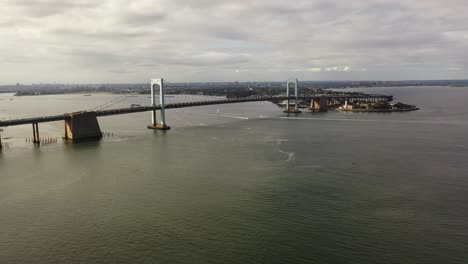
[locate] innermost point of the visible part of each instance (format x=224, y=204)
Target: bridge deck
x=51, y=118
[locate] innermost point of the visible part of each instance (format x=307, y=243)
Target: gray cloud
x=43, y=8
x=183, y=40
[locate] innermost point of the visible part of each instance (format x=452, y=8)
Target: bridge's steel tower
x=154, y=124
x=296, y=95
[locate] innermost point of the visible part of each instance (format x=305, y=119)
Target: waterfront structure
x=80, y=126
x=84, y=124
x=155, y=83
x=319, y=104
x=376, y=107
x=288, y=109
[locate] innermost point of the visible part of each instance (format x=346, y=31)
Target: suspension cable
x=107, y=104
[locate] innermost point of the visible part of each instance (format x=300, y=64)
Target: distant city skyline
x=116, y=41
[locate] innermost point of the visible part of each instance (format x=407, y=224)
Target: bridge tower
x=296, y=95
x=155, y=83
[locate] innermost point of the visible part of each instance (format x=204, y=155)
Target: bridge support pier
x=154, y=124
x=320, y=104
x=82, y=126
x=36, y=138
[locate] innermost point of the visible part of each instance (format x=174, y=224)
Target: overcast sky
x=91, y=41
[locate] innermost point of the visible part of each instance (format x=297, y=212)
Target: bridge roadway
x=120, y=111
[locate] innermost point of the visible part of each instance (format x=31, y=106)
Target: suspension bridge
x=84, y=124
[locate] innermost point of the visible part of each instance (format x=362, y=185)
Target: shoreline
x=379, y=110
x=77, y=93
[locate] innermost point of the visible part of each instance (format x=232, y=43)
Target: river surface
x=240, y=183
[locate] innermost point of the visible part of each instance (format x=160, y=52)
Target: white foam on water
x=230, y=116
x=238, y=117
x=290, y=155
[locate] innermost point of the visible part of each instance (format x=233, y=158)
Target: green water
x=319, y=188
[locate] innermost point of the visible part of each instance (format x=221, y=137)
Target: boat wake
x=230, y=116
x=277, y=141
x=289, y=154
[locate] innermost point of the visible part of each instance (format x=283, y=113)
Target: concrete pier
x=320, y=105
x=36, y=133
x=82, y=126
x=159, y=127
x=291, y=110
